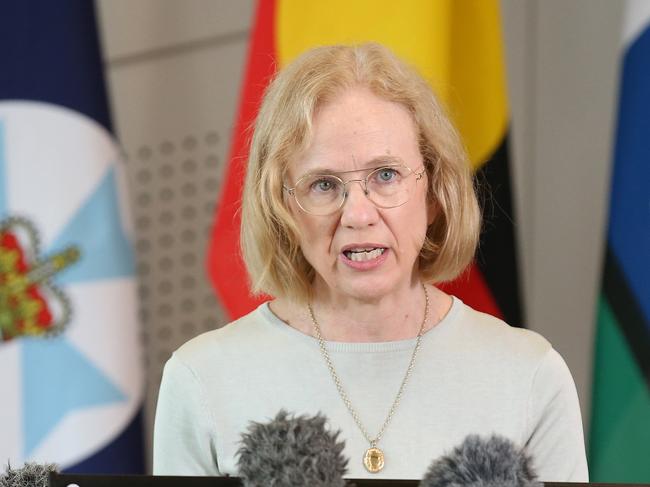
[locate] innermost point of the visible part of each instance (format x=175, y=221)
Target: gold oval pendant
x=373, y=460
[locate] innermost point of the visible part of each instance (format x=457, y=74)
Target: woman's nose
x=358, y=210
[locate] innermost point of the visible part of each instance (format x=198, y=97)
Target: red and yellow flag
x=457, y=47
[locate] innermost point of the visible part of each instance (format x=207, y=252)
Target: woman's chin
x=342, y=285
x=366, y=290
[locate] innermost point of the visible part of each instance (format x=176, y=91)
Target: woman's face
x=362, y=251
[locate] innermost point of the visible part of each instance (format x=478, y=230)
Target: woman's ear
x=431, y=201
x=432, y=209
x=431, y=215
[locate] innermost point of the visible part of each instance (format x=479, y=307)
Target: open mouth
x=362, y=255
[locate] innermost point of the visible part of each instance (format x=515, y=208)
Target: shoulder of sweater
x=238, y=334
x=493, y=335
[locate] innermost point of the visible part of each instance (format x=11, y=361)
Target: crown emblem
x=30, y=304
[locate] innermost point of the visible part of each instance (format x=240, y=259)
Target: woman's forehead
x=358, y=113
x=355, y=151
x=361, y=154
x=357, y=130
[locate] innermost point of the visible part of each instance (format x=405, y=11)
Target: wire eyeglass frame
x=362, y=181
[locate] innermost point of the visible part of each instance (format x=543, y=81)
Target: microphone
x=479, y=462
x=30, y=475
x=291, y=451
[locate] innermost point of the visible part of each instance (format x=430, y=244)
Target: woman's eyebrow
x=319, y=170
x=369, y=164
x=383, y=160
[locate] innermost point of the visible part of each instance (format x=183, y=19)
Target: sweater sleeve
x=555, y=440
x=183, y=440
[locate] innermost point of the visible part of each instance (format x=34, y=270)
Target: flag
x=619, y=443
x=72, y=377
x=457, y=46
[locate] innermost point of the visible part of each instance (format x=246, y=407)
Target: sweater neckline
x=271, y=320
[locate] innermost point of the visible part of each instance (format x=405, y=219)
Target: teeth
x=361, y=255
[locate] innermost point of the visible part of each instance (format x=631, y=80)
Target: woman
x=358, y=199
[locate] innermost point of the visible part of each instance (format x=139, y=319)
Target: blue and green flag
x=620, y=424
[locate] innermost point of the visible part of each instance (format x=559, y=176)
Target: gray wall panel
x=174, y=97
x=576, y=74
x=145, y=26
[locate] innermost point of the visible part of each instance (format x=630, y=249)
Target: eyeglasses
x=387, y=186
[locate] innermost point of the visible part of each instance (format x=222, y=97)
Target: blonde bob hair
x=269, y=235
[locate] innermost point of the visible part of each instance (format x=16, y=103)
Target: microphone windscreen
x=291, y=451
x=30, y=475
x=479, y=462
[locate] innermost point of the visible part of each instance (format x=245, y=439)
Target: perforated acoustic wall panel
x=175, y=187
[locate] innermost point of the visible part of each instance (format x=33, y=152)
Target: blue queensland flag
x=70, y=360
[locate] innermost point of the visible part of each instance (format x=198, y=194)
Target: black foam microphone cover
x=482, y=462
x=30, y=475
x=291, y=451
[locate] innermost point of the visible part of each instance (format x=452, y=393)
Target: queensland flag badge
x=30, y=304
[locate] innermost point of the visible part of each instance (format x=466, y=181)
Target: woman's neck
x=397, y=316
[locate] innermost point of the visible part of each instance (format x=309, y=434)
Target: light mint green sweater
x=473, y=374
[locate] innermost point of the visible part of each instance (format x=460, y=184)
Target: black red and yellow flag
x=457, y=47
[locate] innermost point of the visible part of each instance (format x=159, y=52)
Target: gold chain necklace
x=373, y=458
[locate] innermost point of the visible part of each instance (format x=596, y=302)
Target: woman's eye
x=387, y=175
x=323, y=185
